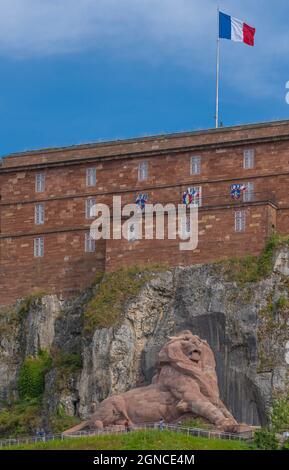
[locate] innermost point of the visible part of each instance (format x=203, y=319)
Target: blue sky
x=75, y=71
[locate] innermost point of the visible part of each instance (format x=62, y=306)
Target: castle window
x=132, y=231
x=197, y=198
x=39, y=214
x=89, y=203
x=38, y=247
x=40, y=182
x=143, y=171
x=248, y=195
x=89, y=243
x=240, y=221
x=249, y=157
x=90, y=176
x=186, y=226
x=195, y=165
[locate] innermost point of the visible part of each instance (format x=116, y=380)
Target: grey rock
x=250, y=356
x=281, y=261
x=39, y=325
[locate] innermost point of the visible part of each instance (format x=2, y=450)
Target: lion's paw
x=183, y=407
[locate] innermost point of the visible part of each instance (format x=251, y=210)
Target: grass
x=115, y=289
x=60, y=422
x=140, y=440
x=253, y=268
x=198, y=423
x=23, y=418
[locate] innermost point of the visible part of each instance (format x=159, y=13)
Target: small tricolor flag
x=235, y=30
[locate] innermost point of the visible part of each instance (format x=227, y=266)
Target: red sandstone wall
x=218, y=165
x=66, y=267
x=217, y=240
x=156, y=144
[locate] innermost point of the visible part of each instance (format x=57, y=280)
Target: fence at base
x=143, y=427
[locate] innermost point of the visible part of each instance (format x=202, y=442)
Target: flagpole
x=217, y=72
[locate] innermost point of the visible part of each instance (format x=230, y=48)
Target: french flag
x=235, y=30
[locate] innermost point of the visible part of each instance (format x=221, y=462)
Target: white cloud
x=153, y=30
x=60, y=26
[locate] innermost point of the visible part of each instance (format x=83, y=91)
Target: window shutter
x=143, y=171
x=38, y=247
x=195, y=165
x=197, y=200
x=240, y=221
x=90, y=176
x=39, y=214
x=89, y=203
x=248, y=195
x=89, y=243
x=40, y=182
x=249, y=157
x=186, y=226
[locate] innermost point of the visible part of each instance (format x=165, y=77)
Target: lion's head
x=187, y=351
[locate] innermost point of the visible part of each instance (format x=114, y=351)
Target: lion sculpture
x=184, y=385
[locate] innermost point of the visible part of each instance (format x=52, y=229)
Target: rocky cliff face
x=25, y=329
x=247, y=327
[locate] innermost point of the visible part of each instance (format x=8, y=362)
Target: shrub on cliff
x=265, y=439
x=60, y=421
x=115, y=289
x=32, y=375
x=285, y=445
x=280, y=414
x=253, y=268
x=20, y=419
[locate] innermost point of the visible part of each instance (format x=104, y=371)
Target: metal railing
x=209, y=434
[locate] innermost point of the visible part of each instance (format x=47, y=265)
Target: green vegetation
x=253, y=268
x=59, y=424
x=141, y=440
x=198, y=423
x=23, y=418
x=66, y=366
x=32, y=374
x=20, y=418
x=285, y=446
x=266, y=438
x=61, y=421
x=115, y=289
x=280, y=414
x=273, y=329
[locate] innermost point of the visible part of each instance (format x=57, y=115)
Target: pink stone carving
x=185, y=384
